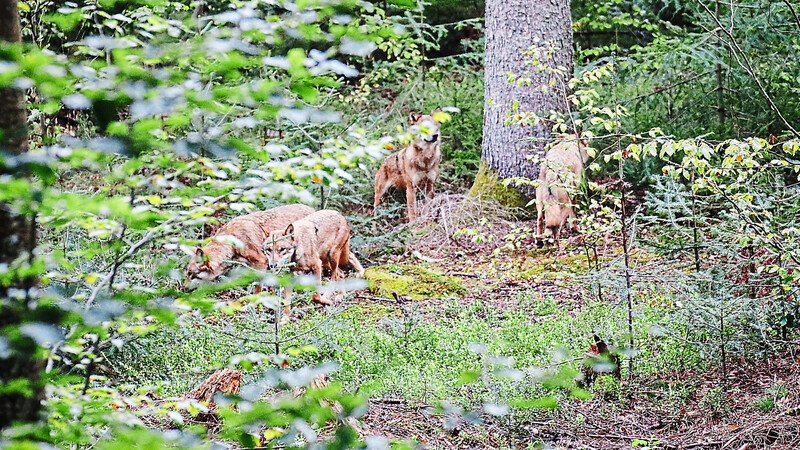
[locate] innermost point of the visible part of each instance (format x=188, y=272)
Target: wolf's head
x=280, y=246
x=577, y=144
x=201, y=267
x=426, y=124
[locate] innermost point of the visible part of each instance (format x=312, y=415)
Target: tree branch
x=794, y=13
x=744, y=62
x=149, y=236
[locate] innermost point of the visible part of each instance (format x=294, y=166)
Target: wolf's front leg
x=261, y=265
x=318, y=272
x=430, y=188
x=411, y=198
x=287, y=302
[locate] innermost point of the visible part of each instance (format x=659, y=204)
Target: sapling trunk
x=278, y=318
x=322, y=199
x=722, y=343
x=627, y=268
x=588, y=258
x=720, y=86
x=595, y=266
x=695, y=240
x=751, y=269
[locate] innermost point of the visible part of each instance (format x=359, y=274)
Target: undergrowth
x=415, y=350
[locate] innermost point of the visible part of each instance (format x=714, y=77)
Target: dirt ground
x=642, y=414
x=642, y=419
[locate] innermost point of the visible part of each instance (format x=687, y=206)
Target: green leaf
x=548, y=402
x=65, y=21
x=468, y=376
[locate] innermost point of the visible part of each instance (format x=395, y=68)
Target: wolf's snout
x=433, y=138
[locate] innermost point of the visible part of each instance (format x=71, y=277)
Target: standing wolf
x=414, y=167
x=316, y=242
x=559, y=175
x=242, y=239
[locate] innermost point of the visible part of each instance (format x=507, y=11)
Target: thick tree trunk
x=17, y=239
x=511, y=27
x=13, y=116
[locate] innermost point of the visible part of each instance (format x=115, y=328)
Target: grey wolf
x=414, y=167
x=559, y=176
x=249, y=234
x=316, y=242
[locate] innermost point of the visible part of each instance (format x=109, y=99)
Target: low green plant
x=645, y=444
x=716, y=402
x=778, y=391
x=767, y=402
x=764, y=404
x=611, y=388
x=676, y=396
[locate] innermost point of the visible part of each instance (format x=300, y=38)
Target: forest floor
x=527, y=308
x=755, y=404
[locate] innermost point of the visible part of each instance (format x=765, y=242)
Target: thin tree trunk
x=17, y=240
x=695, y=236
x=511, y=27
x=720, y=85
x=625, y=251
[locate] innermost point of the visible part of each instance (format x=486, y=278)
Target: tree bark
x=17, y=240
x=511, y=27
x=13, y=115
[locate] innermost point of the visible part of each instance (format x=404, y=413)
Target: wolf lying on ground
x=251, y=232
x=316, y=242
x=559, y=175
x=414, y=167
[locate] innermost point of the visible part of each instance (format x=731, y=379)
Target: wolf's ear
x=199, y=253
x=413, y=117
x=578, y=136
x=437, y=110
x=289, y=230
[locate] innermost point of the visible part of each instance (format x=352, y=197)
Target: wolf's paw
x=317, y=298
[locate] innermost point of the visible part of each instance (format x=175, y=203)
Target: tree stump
x=227, y=381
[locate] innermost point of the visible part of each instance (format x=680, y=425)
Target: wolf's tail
x=351, y=259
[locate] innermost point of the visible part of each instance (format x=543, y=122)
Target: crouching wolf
x=414, y=167
x=242, y=239
x=316, y=242
x=559, y=175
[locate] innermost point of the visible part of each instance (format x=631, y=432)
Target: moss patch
x=414, y=281
x=540, y=265
x=488, y=185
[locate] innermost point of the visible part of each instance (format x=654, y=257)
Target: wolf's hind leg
x=381, y=185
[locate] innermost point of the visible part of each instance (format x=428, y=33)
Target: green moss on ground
x=565, y=266
x=413, y=281
x=545, y=264
x=487, y=185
